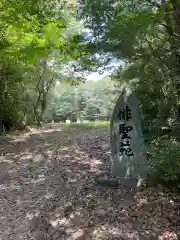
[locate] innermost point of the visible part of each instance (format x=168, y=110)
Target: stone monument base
x=105, y=181
x=133, y=183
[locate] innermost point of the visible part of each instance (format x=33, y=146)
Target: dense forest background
x=93, y=100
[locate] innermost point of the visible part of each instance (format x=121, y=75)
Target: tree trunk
x=36, y=116
x=1, y=128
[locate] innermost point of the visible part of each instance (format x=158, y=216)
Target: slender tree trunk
x=36, y=116
x=1, y=128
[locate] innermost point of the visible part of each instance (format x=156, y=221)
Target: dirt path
x=47, y=191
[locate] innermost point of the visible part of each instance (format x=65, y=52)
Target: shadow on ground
x=47, y=191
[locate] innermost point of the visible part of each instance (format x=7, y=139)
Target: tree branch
x=170, y=31
x=48, y=85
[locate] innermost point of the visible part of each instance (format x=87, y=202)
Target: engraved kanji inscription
x=126, y=149
x=124, y=131
x=125, y=114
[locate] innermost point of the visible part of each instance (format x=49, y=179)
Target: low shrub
x=164, y=161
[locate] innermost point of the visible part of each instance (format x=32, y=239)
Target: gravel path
x=47, y=191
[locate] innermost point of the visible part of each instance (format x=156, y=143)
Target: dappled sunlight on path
x=47, y=191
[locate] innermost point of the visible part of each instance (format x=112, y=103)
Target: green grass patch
x=98, y=124
x=87, y=124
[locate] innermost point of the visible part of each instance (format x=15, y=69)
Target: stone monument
x=127, y=144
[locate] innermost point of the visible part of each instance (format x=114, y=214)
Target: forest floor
x=47, y=191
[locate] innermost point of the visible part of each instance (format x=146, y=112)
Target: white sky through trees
x=95, y=76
